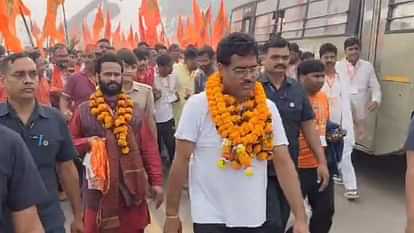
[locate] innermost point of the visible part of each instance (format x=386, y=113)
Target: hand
x=68, y=115
x=77, y=225
x=157, y=93
x=300, y=227
x=173, y=225
x=323, y=176
x=157, y=194
x=372, y=106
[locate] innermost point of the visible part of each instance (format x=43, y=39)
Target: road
x=380, y=209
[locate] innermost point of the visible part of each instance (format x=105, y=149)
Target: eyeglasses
x=244, y=72
x=22, y=75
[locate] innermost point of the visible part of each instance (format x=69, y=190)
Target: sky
x=126, y=10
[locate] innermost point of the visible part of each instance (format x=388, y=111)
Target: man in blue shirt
x=47, y=136
x=21, y=187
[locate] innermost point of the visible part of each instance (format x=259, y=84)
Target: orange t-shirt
x=320, y=106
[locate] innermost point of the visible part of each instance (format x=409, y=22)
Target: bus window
x=266, y=7
x=327, y=17
x=289, y=3
x=264, y=27
x=294, y=18
x=401, y=15
x=236, y=26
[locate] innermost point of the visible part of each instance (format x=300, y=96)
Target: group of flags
x=197, y=29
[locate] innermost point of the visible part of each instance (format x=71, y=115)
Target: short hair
x=294, y=47
x=190, y=53
x=351, y=42
x=127, y=56
x=10, y=59
x=164, y=60
x=278, y=42
x=59, y=46
x=173, y=47
x=141, y=54
x=107, y=57
x=103, y=40
x=310, y=66
x=206, y=50
x=327, y=48
x=160, y=46
x=307, y=55
x=236, y=43
x=143, y=43
x=34, y=55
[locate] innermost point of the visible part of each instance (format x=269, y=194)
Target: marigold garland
x=117, y=122
x=246, y=127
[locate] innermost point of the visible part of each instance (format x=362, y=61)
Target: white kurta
x=364, y=85
x=340, y=104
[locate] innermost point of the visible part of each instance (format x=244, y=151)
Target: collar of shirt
x=265, y=79
x=38, y=111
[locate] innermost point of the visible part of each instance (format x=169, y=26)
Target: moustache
x=280, y=66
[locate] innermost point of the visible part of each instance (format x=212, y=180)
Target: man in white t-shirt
x=230, y=200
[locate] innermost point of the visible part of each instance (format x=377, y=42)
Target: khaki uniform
x=142, y=95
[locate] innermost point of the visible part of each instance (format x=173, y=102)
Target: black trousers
x=166, y=132
x=278, y=210
x=321, y=203
x=220, y=228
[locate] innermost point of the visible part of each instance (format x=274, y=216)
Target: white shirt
x=338, y=93
x=222, y=196
x=364, y=85
x=163, y=106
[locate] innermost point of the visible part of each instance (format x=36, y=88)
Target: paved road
x=380, y=209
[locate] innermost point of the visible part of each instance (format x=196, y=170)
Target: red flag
x=116, y=39
x=99, y=24
x=49, y=27
x=87, y=38
x=221, y=25
x=108, y=26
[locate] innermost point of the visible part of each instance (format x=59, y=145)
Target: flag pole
x=65, y=23
x=26, y=26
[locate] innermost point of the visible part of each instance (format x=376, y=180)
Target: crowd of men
x=150, y=108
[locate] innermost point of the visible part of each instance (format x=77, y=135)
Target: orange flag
x=108, y=26
x=180, y=31
x=37, y=34
x=49, y=27
x=204, y=38
x=60, y=37
x=87, y=38
x=12, y=42
x=221, y=25
x=21, y=8
x=116, y=39
x=136, y=39
x=124, y=41
x=150, y=11
x=99, y=24
x=131, y=40
x=198, y=20
x=141, y=28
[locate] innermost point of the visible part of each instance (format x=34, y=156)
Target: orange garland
x=245, y=127
x=119, y=125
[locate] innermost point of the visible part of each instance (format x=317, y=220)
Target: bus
x=386, y=31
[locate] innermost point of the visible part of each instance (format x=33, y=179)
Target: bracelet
x=172, y=217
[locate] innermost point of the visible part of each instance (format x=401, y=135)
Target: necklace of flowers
x=246, y=127
x=116, y=121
